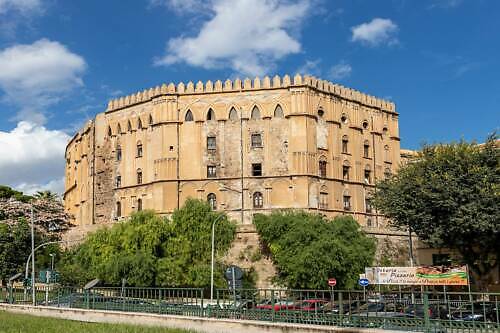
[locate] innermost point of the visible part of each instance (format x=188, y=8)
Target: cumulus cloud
x=183, y=6
x=340, y=71
x=445, y=4
x=37, y=75
x=21, y=6
x=248, y=36
x=32, y=157
x=310, y=67
x=376, y=32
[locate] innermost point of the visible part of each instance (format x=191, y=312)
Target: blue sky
x=61, y=61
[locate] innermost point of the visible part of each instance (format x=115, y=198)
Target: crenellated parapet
x=247, y=84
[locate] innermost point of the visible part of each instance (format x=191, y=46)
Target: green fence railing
x=399, y=310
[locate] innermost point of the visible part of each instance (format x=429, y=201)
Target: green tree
x=307, y=249
x=46, y=195
x=449, y=196
x=149, y=250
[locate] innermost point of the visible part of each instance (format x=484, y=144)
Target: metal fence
x=408, y=311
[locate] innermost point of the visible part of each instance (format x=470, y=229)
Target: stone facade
x=250, y=146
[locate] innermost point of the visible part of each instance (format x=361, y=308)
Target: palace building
x=246, y=147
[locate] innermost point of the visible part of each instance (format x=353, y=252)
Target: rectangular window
x=323, y=200
x=256, y=140
x=211, y=171
x=256, y=169
x=345, y=172
x=118, y=182
x=322, y=168
x=368, y=206
x=347, y=202
x=119, y=154
x=211, y=143
x=366, y=151
x=368, y=176
x=139, y=150
x=345, y=143
x=139, y=178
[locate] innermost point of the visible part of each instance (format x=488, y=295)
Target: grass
x=17, y=323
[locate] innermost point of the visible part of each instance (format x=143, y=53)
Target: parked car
x=278, y=305
x=477, y=311
x=436, y=311
x=315, y=305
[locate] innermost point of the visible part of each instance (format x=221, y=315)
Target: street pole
x=213, y=259
x=52, y=261
x=33, y=258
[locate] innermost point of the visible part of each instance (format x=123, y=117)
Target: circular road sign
x=363, y=282
x=238, y=273
x=332, y=282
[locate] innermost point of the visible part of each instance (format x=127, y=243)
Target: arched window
x=118, y=129
x=110, y=133
x=211, y=114
x=323, y=198
x=129, y=126
x=255, y=113
x=139, y=205
x=345, y=144
x=139, y=124
x=368, y=205
x=368, y=175
x=188, y=116
x=346, y=200
x=118, y=209
x=233, y=114
x=139, y=176
x=278, y=112
x=150, y=120
x=258, y=200
x=366, y=149
x=118, y=153
x=139, y=149
x=118, y=181
x=345, y=170
x=322, y=168
x=212, y=201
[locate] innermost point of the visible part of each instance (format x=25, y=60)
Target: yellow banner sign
x=422, y=275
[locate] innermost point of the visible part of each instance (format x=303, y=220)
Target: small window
x=343, y=119
x=110, y=133
x=139, y=149
x=368, y=206
x=139, y=124
x=345, y=172
x=345, y=144
x=323, y=200
x=321, y=113
x=256, y=140
x=189, y=116
x=369, y=222
x=347, y=202
x=118, y=209
x=210, y=114
x=212, y=201
x=322, y=168
x=118, y=129
x=385, y=130
x=366, y=149
x=139, y=176
x=211, y=143
x=278, y=112
x=118, y=181
x=365, y=124
x=255, y=113
x=150, y=120
x=118, y=153
x=139, y=205
x=256, y=169
x=258, y=200
x=368, y=176
x=233, y=114
x=129, y=126
x=211, y=171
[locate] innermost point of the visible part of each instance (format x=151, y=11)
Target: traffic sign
x=238, y=273
x=363, y=282
x=332, y=282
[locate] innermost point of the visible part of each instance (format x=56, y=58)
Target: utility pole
x=33, y=258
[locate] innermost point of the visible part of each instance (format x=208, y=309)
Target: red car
x=312, y=305
x=278, y=305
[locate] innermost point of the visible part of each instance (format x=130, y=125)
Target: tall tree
x=449, y=196
x=307, y=249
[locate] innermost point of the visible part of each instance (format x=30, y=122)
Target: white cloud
x=340, y=71
x=310, y=67
x=21, y=6
x=32, y=157
x=376, y=32
x=37, y=75
x=182, y=6
x=248, y=36
x=445, y=4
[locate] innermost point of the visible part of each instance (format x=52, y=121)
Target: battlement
x=247, y=84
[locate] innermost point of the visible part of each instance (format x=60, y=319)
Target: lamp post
x=52, y=255
x=213, y=258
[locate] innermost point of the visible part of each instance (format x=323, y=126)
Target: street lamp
x=52, y=255
x=213, y=258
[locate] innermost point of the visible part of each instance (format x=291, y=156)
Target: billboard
x=421, y=275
